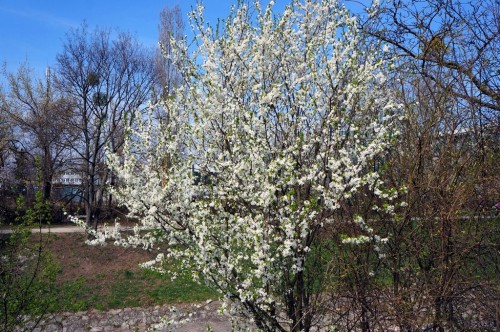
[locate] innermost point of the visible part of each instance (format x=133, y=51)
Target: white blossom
x=275, y=126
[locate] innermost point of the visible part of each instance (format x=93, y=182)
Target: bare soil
x=103, y=264
x=78, y=259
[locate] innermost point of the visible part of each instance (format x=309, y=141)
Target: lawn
x=109, y=277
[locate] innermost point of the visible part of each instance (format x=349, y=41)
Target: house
x=67, y=185
x=68, y=178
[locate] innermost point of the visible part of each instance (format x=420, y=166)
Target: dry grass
x=78, y=259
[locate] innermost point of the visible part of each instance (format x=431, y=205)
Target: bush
x=27, y=271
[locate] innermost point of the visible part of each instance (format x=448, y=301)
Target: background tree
x=5, y=131
x=107, y=78
x=41, y=116
x=461, y=37
x=6, y=171
x=171, y=28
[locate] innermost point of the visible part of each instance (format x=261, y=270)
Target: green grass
x=129, y=289
x=182, y=289
x=77, y=295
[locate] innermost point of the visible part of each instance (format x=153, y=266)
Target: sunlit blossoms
x=277, y=124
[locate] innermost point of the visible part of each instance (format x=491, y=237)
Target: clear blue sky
x=34, y=30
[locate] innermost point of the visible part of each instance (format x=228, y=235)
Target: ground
x=109, y=277
x=78, y=259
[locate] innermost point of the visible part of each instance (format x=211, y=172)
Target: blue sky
x=34, y=30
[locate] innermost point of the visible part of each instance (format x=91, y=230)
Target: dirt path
x=56, y=229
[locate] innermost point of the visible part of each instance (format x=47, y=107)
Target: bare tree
x=40, y=113
x=107, y=77
x=6, y=136
x=5, y=130
x=440, y=249
x=440, y=255
x=461, y=37
x=438, y=268
x=171, y=28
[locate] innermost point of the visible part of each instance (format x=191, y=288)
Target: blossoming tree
x=276, y=125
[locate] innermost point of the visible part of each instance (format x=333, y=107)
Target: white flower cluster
x=276, y=124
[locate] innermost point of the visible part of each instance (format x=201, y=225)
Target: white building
x=69, y=178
